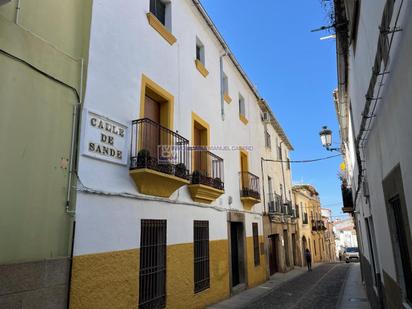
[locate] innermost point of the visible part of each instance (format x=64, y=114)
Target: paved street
x=331, y=285
x=317, y=289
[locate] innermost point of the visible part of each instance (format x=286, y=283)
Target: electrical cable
x=303, y=161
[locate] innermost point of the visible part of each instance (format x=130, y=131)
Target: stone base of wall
x=39, y=284
x=367, y=274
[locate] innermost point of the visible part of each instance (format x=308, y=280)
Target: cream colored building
x=310, y=226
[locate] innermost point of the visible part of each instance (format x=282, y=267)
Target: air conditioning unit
x=266, y=117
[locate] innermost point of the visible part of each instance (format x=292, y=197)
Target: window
x=200, y=51
x=288, y=163
x=267, y=139
x=256, y=253
x=158, y=9
x=242, y=109
x=279, y=152
x=201, y=255
x=152, y=274
x=225, y=84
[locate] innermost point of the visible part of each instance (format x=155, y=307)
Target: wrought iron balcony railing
x=318, y=225
x=207, y=168
x=158, y=148
x=249, y=185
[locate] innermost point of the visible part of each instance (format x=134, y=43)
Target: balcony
x=207, y=176
x=277, y=207
x=347, y=199
x=318, y=226
x=249, y=189
x=159, y=158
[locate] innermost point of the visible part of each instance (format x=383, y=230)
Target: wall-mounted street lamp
x=326, y=139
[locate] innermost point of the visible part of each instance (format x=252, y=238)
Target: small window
x=162, y=10
x=200, y=51
x=158, y=9
x=242, y=109
x=267, y=139
x=288, y=165
x=201, y=255
x=256, y=253
x=152, y=273
x=225, y=85
x=279, y=152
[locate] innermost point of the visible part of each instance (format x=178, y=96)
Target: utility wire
x=302, y=161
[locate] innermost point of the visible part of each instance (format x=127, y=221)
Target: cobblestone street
x=317, y=289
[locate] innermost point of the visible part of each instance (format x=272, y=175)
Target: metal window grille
x=152, y=274
x=201, y=255
x=256, y=244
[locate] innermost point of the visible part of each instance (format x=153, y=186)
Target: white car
x=351, y=254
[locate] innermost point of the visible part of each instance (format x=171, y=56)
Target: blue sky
x=294, y=71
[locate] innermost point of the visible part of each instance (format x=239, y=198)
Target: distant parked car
x=351, y=254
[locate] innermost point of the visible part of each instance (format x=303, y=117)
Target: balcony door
x=151, y=131
x=244, y=168
x=200, y=156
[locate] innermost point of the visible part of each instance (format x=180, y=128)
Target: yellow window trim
x=203, y=123
x=160, y=28
x=244, y=154
x=201, y=68
x=243, y=119
x=227, y=98
x=167, y=106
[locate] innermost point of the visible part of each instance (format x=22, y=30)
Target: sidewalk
x=353, y=294
x=250, y=295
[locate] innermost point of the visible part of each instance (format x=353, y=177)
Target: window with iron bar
x=201, y=255
x=256, y=243
x=152, y=273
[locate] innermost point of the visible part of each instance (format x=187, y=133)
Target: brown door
x=244, y=168
x=150, y=130
x=273, y=262
x=197, y=141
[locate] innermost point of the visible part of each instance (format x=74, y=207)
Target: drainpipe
x=263, y=187
x=222, y=103
x=18, y=7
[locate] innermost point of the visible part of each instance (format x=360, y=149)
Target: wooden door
x=197, y=141
x=151, y=131
x=273, y=262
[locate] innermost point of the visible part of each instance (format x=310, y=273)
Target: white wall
x=123, y=46
x=389, y=141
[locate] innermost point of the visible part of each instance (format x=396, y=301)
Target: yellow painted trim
x=167, y=107
x=204, y=124
x=227, y=98
x=245, y=154
x=105, y=280
x=255, y=274
x=248, y=201
x=243, y=119
x=201, y=68
x=111, y=279
x=204, y=194
x=161, y=29
x=155, y=183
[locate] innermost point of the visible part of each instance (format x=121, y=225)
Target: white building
x=167, y=226
x=374, y=44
